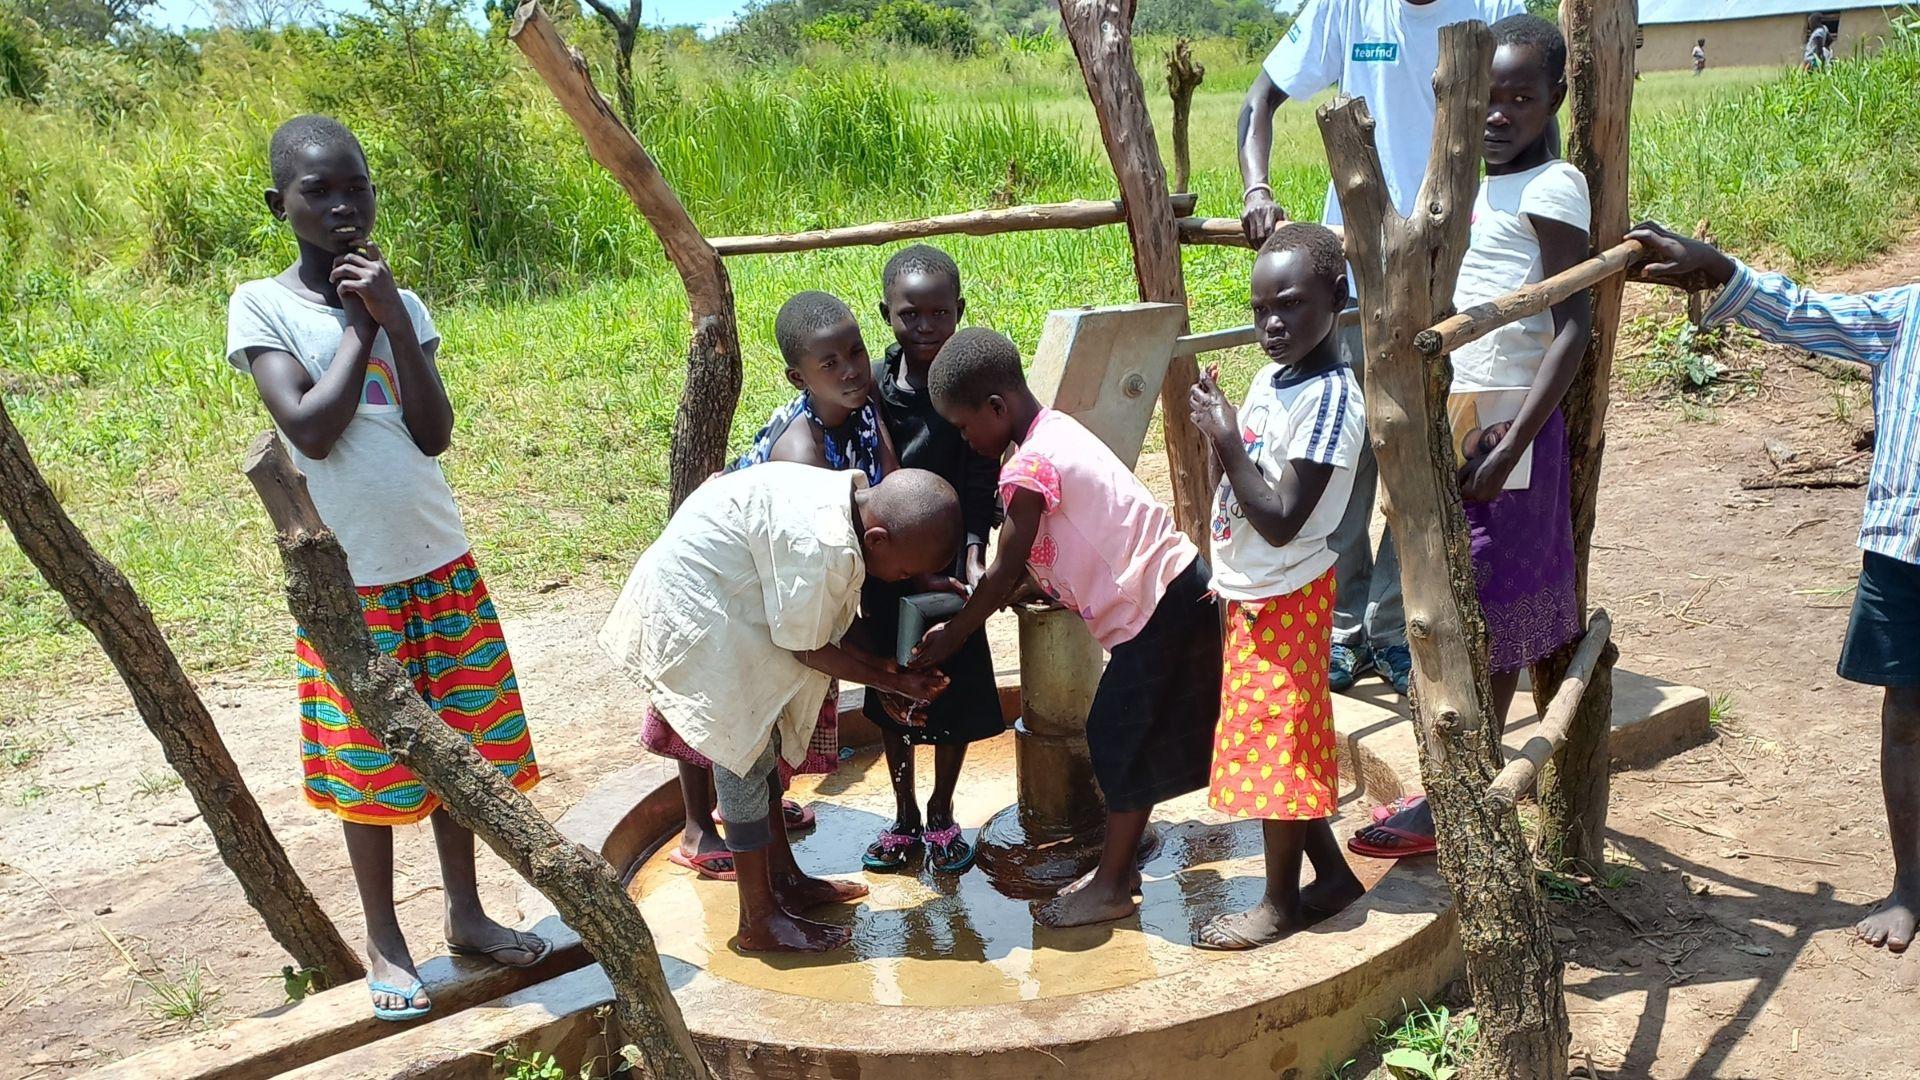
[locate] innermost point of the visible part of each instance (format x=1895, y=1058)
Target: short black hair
x=1325, y=252
x=301, y=132
x=921, y=510
x=806, y=313
x=920, y=259
x=1534, y=32
x=975, y=364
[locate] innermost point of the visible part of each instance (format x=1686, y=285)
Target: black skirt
x=970, y=709
x=1150, y=730
x=1883, y=635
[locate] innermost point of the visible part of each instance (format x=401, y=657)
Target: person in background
x=1819, y=48
x=1700, y=56
x=1882, y=646
x=1385, y=51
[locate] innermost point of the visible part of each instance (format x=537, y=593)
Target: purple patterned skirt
x=1523, y=558
x=823, y=750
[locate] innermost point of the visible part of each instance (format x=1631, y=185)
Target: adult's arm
x=1259, y=213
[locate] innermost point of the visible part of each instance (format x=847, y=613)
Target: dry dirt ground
x=1724, y=948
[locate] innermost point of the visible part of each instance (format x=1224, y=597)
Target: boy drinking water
x=1530, y=222
x=1288, y=456
x=1883, y=636
x=734, y=623
x=1098, y=543
x=921, y=300
x=344, y=361
x=832, y=424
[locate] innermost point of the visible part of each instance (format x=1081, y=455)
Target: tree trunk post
x=103, y=601
x=1575, y=786
x=1102, y=37
x=712, y=390
x=582, y=887
x=1405, y=269
x=1183, y=78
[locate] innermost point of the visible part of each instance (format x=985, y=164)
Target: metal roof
x=1660, y=12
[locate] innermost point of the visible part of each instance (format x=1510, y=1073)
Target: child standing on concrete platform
x=1883, y=637
x=1288, y=457
x=921, y=300
x=344, y=360
x=1530, y=222
x=734, y=621
x=1097, y=542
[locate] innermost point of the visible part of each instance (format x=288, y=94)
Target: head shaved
x=1325, y=253
x=301, y=132
x=975, y=364
x=805, y=314
x=921, y=512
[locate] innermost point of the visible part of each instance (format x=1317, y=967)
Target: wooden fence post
x=1183, y=78
x=712, y=391
x=1405, y=270
x=1102, y=36
x=1574, y=787
x=102, y=599
x=583, y=888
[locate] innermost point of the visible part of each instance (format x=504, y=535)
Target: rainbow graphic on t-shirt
x=381, y=388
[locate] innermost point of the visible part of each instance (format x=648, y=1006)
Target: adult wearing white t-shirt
x=1384, y=51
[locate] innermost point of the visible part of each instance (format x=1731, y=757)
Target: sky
x=708, y=13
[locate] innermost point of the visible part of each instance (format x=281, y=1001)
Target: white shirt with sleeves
x=1319, y=418
x=385, y=500
x=1385, y=51
x=1504, y=254
x=753, y=567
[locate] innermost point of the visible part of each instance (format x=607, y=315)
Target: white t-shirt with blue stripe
x=1286, y=418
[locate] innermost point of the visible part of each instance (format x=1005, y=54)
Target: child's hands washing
x=1213, y=414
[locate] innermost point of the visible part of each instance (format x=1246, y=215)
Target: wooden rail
x=1235, y=336
x=1482, y=319
x=1078, y=214
x=1518, y=775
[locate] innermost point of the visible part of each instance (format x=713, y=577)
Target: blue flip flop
x=411, y=1012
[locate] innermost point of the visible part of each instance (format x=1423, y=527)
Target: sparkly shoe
x=892, y=851
x=947, y=851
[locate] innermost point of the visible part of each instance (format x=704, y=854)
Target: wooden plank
x=1101, y=365
x=1078, y=214
x=1235, y=336
x=1217, y=231
x=1482, y=319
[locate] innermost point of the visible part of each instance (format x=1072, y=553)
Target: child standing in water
x=1097, y=542
x=1288, y=457
x=832, y=424
x=344, y=360
x=1530, y=222
x=735, y=620
x=921, y=300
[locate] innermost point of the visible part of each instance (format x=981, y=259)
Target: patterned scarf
x=860, y=449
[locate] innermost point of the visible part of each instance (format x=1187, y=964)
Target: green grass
x=133, y=213
x=1430, y=1043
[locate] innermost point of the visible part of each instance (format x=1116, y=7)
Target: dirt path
x=1729, y=953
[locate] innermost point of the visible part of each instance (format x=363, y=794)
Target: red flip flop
x=1386, y=810
x=704, y=864
x=1413, y=844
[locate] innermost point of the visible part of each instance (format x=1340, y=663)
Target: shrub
x=916, y=22
x=23, y=69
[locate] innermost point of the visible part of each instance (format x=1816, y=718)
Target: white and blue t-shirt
x=1384, y=51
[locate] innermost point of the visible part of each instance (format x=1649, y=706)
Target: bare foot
x=784, y=933
x=798, y=892
x=1891, y=925
x=1084, y=907
x=389, y=963
x=1081, y=882
x=1262, y=924
x=1330, y=896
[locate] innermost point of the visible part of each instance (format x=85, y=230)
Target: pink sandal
x=706, y=864
x=1381, y=813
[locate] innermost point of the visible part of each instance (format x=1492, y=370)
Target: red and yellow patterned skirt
x=442, y=629
x=1273, y=753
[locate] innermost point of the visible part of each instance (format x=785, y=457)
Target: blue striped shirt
x=1881, y=329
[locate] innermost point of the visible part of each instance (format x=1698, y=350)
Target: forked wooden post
x=1183, y=78
x=582, y=887
x=103, y=601
x=1102, y=35
x=1575, y=786
x=1405, y=270
x=712, y=390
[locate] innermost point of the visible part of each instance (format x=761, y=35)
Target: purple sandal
x=948, y=852
x=891, y=851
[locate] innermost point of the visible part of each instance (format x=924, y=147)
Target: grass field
x=563, y=331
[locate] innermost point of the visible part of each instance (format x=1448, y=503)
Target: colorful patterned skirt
x=823, y=750
x=1523, y=558
x=442, y=628
x=1274, y=755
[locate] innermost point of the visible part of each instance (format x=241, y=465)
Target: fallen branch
x=1517, y=776
x=1834, y=368
x=1078, y=214
x=582, y=887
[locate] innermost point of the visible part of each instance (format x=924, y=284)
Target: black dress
x=970, y=709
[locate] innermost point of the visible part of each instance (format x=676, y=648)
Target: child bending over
x=1097, y=542
x=921, y=301
x=344, y=360
x=1530, y=222
x=1288, y=458
x=833, y=424
x=1883, y=637
x=733, y=622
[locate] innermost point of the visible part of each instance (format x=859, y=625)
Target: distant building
x=1742, y=33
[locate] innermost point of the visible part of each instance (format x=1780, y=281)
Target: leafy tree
x=916, y=22
x=83, y=20
x=626, y=29
x=768, y=30
x=23, y=71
